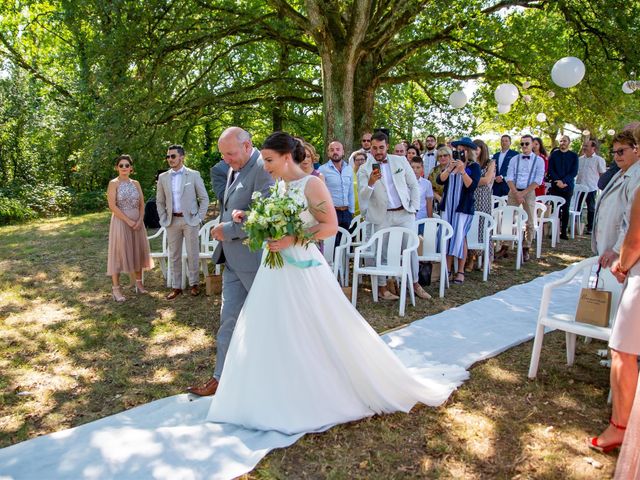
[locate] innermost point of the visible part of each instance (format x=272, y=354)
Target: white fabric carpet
x=167, y=439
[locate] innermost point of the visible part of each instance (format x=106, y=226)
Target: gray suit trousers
x=235, y=288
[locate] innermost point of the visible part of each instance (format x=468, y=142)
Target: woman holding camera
x=460, y=179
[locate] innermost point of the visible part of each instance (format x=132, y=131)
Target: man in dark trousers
x=563, y=168
x=502, y=158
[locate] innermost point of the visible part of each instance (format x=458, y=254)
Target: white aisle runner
x=168, y=439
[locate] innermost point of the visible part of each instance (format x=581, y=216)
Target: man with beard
x=563, y=168
x=338, y=176
x=429, y=156
x=391, y=189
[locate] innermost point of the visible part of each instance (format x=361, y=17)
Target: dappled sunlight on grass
x=502, y=375
x=475, y=430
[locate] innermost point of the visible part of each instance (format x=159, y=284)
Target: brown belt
x=395, y=209
x=341, y=209
x=178, y=214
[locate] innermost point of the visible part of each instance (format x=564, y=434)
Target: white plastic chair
x=336, y=255
x=566, y=321
x=355, y=221
x=575, y=208
x=474, y=241
x=509, y=226
x=498, y=201
x=398, y=263
x=540, y=209
x=433, y=249
x=362, y=233
x=162, y=255
x=207, y=247
x=553, y=204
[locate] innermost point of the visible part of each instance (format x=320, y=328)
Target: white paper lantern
x=502, y=108
x=626, y=87
x=526, y=84
x=506, y=94
x=526, y=98
x=458, y=99
x=586, y=133
x=611, y=132
x=551, y=94
x=541, y=117
x=568, y=72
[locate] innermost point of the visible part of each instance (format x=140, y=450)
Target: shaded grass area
x=69, y=355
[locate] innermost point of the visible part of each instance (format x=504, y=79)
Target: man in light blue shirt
x=338, y=176
x=524, y=175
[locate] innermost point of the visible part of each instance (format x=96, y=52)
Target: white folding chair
x=480, y=239
x=398, y=264
x=336, y=255
x=566, y=321
x=498, y=201
x=161, y=255
x=575, y=208
x=509, y=226
x=539, y=211
x=552, y=215
x=434, y=246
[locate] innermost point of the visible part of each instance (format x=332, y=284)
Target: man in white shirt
x=591, y=166
x=524, y=175
x=430, y=154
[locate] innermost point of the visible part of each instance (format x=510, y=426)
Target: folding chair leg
x=354, y=289
x=535, y=352
x=571, y=347
x=403, y=294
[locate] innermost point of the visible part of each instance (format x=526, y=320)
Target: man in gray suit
x=182, y=203
x=246, y=176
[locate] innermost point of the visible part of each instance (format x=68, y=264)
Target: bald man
x=246, y=175
x=338, y=176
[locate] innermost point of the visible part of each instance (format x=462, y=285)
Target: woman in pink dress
x=128, y=244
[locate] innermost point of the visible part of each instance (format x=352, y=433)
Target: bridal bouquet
x=275, y=217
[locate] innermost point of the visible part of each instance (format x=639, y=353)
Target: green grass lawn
x=69, y=355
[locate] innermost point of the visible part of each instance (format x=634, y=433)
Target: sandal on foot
x=593, y=441
x=457, y=281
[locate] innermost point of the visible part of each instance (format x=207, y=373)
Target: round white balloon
x=626, y=87
x=586, y=133
x=526, y=84
x=551, y=94
x=541, y=117
x=502, y=108
x=568, y=72
x=458, y=99
x=526, y=98
x=506, y=94
x=611, y=132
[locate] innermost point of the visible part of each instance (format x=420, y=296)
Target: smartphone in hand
x=375, y=166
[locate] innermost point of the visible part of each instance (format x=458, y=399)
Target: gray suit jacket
x=612, y=222
x=403, y=179
x=251, y=178
x=194, y=200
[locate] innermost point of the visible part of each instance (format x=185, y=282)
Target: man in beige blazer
x=389, y=187
x=182, y=203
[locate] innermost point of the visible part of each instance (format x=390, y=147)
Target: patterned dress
x=483, y=203
x=128, y=248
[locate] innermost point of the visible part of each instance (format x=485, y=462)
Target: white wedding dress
x=302, y=358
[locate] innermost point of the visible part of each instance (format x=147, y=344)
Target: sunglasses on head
x=124, y=165
x=171, y=156
x=525, y=144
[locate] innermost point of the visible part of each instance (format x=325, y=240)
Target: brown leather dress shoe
x=194, y=290
x=207, y=389
x=174, y=293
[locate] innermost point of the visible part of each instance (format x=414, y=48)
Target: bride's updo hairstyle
x=283, y=143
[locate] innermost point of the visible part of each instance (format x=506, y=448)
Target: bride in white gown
x=300, y=363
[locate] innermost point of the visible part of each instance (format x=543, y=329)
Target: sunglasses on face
x=525, y=144
x=619, y=151
x=368, y=140
x=171, y=156
x=124, y=165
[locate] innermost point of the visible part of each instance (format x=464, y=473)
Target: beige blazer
x=376, y=198
x=611, y=219
x=194, y=200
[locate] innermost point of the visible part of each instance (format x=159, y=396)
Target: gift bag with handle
x=594, y=305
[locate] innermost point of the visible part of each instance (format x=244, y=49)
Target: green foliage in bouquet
x=274, y=217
